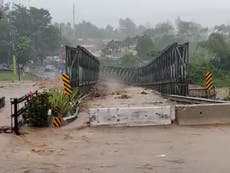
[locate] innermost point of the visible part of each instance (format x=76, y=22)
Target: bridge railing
x=18, y=110
x=82, y=67
x=167, y=73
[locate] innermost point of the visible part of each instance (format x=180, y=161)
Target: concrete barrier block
x=203, y=114
x=131, y=116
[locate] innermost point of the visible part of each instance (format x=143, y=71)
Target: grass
x=29, y=77
x=9, y=76
x=222, y=82
x=220, y=79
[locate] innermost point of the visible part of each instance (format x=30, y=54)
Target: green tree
x=164, y=28
x=30, y=32
x=4, y=41
x=88, y=30
x=218, y=45
x=163, y=34
x=197, y=69
x=130, y=61
x=20, y=20
x=47, y=42
x=160, y=30
x=190, y=31
x=144, y=46
x=24, y=50
x=33, y=28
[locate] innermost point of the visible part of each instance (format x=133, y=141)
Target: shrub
x=60, y=103
x=37, y=109
x=39, y=104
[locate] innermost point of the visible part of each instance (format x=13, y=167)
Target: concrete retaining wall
x=203, y=114
x=132, y=116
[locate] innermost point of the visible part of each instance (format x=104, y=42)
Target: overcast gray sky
x=102, y=12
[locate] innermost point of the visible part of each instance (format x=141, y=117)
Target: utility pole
x=12, y=33
x=16, y=68
x=74, y=15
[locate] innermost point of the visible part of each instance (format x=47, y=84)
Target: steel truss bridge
x=167, y=73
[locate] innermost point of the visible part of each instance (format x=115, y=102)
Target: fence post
x=16, y=128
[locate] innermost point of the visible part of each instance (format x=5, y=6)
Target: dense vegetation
x=87, y=30
x=29, y=34
x=209, y=48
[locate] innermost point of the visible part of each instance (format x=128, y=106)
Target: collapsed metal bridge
x=167, y=73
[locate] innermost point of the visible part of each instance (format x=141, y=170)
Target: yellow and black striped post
x=57, y=122
x=209, y=81
x=67, y=85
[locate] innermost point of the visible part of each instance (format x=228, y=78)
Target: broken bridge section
x=167, y=73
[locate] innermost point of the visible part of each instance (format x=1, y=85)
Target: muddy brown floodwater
x=77, y=148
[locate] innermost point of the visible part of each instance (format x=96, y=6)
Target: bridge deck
x=113, y=94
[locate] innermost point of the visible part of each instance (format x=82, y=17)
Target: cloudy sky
x=146, y=12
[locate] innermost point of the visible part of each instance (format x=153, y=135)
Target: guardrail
x=191, y=100
x=16, y=111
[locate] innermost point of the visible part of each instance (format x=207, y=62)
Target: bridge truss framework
x=167, y=73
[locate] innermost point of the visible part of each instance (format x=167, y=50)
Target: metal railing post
x=16, y=127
